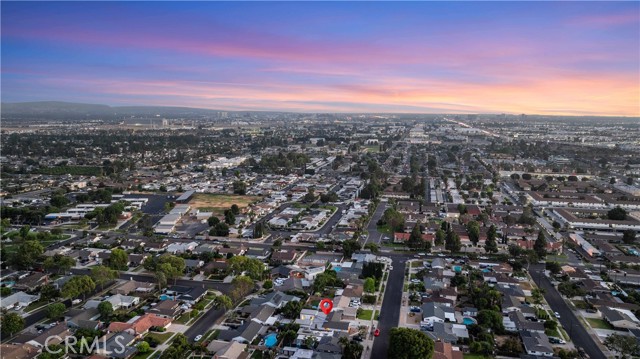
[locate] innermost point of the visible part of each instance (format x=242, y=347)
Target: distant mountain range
x=54, y=109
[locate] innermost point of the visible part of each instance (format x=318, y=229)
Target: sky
x=555, y=58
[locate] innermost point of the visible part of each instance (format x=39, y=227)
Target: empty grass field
x=218, y=203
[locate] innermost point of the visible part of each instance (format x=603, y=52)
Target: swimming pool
x=486, y=270
x=270, y=340
x=164, y=297
x=457, y=268
x=468, y=321
x=337, y=269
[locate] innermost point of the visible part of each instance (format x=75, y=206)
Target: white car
x=557, y=315
x=198, y=338
x=17, y=307
x=390, y=267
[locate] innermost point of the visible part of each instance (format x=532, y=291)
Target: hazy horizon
x=543, y=58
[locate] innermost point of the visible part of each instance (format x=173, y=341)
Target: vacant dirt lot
x=218, y=203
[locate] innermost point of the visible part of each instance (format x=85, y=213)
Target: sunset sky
x=567, y=58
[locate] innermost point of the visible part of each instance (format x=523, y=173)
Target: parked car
x=376, y=333
x=557, y=315
x=198, y=338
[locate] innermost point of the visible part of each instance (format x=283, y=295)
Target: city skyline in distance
x=534, y=58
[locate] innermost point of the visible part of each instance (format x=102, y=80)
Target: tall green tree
x=369, y=285
x=491, y=245
x=626, y=345
x=629, y=236
x=102, y=275
x=452, y=242
x=105, y=309
x=415, y=238
x=11, y=324
x=56, y=310
x=408, y=343
x=119, y=259
x=540, y=245
x=473, y=229
x=78, y=285
x=27, y=254
x=59, y=263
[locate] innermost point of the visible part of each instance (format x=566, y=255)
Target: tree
x=59, y=262
x=58, y=201
x=350, y=349
x=27, y=254
x=78, y=285
x=349, y=247
x=239, y=187
x=623, y=344
x=212, y=221
x=119, y=259
x=369, y=285
x=392, y=218
x=221, y=230
x=143, y=347
x=536, y=294
x=105, y=309
x=473, y=229
x=223, y=301
x=48, y=292
x=458, y=280
x=373, y=247
x=258, y=230
x=408, y=343
x=240, y=287
x=415, y=238
x=235, y=209
x=292, y=309
x=254, y=268
x=490, y=245
x=102, y=275
x=570, y=290
x=310, y=196
x=553, y=267
x=452, y=242
x=629, y=236
x=612, y=180
x=56, y=310
x=268, y=284
x=5, y=291
x=617, y=214
x=11, y=324
x=540, y=245
x=490, y=319
x=440, y=237
x=630, y=181
x=229, y=217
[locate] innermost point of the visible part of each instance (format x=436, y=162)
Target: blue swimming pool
x=337, y=269
x=486, y=270
x=457, y=268
x=468, y=321
x=164, y=297
x=270, y=340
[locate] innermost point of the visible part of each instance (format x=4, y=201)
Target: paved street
x=204, y=323
x=390, y=311
x=570, y=323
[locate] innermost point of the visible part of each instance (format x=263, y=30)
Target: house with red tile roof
x=140, y=325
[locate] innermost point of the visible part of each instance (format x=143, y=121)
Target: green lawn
x=598, y=323
x=416, y=264
x=160, y=337
x=143, y=356
x=475, y=356
x=35, y=305
x=365, y=314
x=183, y=319
x=384, y=229
x=373, y=148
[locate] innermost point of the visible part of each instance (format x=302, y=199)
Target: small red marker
x=325, y=306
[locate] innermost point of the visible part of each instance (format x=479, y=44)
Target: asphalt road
x=390, y=311
x=204, y=323
x=372, y=227
x=570, y=323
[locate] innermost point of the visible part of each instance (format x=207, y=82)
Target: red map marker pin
x=325, y=306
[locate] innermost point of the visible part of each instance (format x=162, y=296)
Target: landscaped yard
x=183, y=319
x=218, y=203
x=160, y=337
x=416, y=264
x=365, y=314
x=598, y=323
x=35, y=305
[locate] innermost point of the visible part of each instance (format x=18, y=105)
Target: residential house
x=55, y=335
x=20, y=298
x=18, y=351
x=437, y=313
x=31, y=282
x=83, y=318
x=228, y=350
x=619, y=318
x=448, y=332
x=167, y=309
x=284, y=256
x=193, y=264
x=258, y=253
x=117, y=345
x=536, y=343
x=132, y=286
x=140, y=325
x=443, y=350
